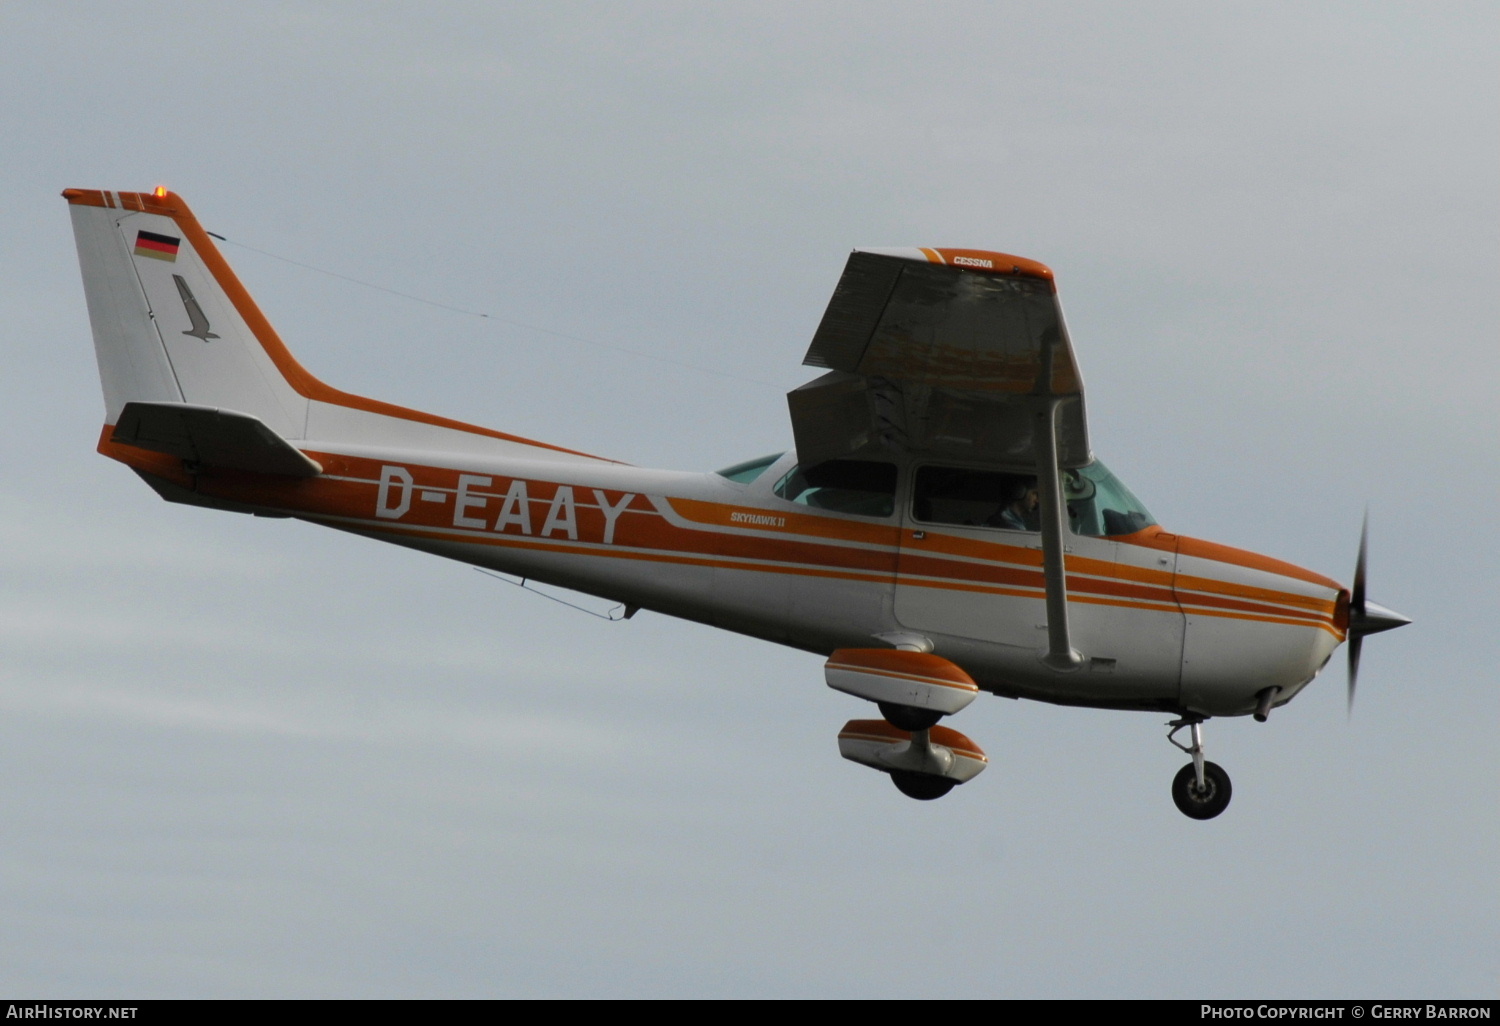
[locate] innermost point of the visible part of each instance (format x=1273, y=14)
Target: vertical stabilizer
x=172, y=324
x=165, y=328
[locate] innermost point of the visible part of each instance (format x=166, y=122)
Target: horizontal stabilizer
x=212, y=437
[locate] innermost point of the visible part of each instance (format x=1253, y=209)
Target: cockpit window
x=975, y=498
x=748, y=471
x=1100, y=505
x=860, y=487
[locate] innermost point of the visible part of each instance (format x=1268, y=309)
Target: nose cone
x=1365, y=618
x=1373, y=619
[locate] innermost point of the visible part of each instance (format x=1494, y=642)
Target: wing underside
x=932, y=352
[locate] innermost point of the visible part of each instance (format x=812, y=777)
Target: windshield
x=748, y=471
x=1100, y=505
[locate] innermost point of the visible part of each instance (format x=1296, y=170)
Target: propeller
x=1365, y=617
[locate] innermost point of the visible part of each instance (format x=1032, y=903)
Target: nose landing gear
x=1201, y=789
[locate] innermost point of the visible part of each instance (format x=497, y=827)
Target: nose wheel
x=1201, y=789
x=1203, y=801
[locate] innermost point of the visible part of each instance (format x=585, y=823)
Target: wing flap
x=212, y=437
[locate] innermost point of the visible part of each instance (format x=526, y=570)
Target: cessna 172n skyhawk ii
x=942, y=527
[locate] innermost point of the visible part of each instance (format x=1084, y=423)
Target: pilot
x=1019, y=513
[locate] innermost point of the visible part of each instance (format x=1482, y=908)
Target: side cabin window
x=1098, y=504
x=976, y=498
x=861, y=487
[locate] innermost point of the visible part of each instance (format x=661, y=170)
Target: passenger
x=1020, y=513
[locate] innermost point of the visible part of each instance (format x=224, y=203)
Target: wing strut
x=1061, y=655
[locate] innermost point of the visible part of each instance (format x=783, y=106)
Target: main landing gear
x=1201, y=788
x=914, y=690
x=924, y=787
x=909, y=718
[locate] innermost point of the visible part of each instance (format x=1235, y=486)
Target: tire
x=924, y=787
x=908, y=717
x=1208, y=803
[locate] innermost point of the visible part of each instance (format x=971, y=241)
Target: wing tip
x=984, y=261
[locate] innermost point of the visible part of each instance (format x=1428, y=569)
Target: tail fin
x=172, y=324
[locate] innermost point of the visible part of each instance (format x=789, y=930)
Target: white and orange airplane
x=942, y=528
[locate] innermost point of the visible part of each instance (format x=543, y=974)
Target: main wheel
x=908, y=717
x=1211, y=800
x=924, y=787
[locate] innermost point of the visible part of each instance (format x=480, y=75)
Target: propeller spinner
x=1365, y=617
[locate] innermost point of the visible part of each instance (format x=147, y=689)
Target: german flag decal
x=157, y=247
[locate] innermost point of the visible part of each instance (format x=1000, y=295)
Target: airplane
x=942, y=526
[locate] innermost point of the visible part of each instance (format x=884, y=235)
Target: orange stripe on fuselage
x=921, y=556
x=1156, y=538
x=346, y=494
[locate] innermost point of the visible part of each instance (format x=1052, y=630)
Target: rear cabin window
x=861, y=487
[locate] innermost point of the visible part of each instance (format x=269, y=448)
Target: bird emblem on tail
x=199, y=322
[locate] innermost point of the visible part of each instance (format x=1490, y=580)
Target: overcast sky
x=244, y=757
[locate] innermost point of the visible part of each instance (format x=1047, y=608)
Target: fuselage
x=1163, y=621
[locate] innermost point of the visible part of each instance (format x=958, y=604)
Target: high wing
x=942, y=352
